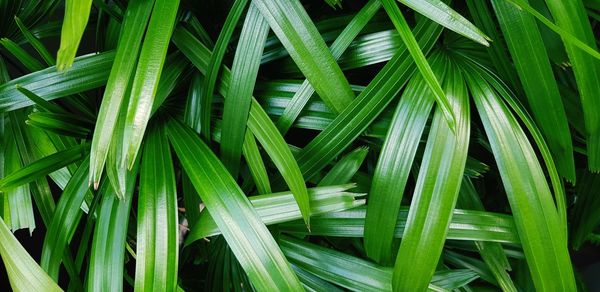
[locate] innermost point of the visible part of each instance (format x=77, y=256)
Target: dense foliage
x=270, y=145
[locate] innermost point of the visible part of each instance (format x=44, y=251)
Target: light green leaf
x=394, y=165
x=436, y=191
x=531, y=61
x=88, y=72
x=23, y=272
x=256, y=164
x=465, y=225
x=43, y=167
x=145, y=82
x=214, y=65
x=76, y=17
x=107, y=254
x=536, y=216
x=300, y=37
x=417, y=54
x=239, y=96
x=343, y=171
x=441, y=13
x=571, y=16
x=258, y=122
x=65, y=220
x=339, y=46
x=354, y=273
x=157, y=227
x=234, y=215
x=281, y=207
x=133, y=27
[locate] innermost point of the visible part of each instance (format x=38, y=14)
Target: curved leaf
x=23, y=272
x=236, y=218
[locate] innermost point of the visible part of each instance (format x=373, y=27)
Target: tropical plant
x=270, y=145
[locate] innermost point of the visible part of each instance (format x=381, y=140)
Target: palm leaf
x=76, y=18
x=441, y=13
x=292, y=25
x=145, y=82
x=134, y=25
x=436, y=191
x=157, y=245
x=338, y=47
x=258, y=122
x=526, y=46
x=281, y=207
x=417, y=54
x=571, y=17
x=536, y=217
x=266, y=267
x=23, y=272
x=394, y=165
x=239, y=96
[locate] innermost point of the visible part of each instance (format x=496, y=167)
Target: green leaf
x=23, y=272
x=20, y=54
x=35, y=43
x=212, y=70
x=441, y=13
x=134, y=25
x=145, y=82
x=571, y=16
x=39, y=101
x=483, y=16
x=266, y=267
x=239, y=96
x=157, y=227
x=18, y=207
x=393, y=167
x=43, y=167
x=367, y=106
x=40, y=190
x=281, y=207
x=65, y=220
x=417, y=54
x=107, y=254
x=436, y=191
x=465, y=225
x=76, y=17
x=258, y=122
x=256, y=164
x=88, y=72
x=300, y=37
x=61, y=124
x=492, y=253
x=354, y=273
x=339, y=46
x=567, y=34
x=531, y=61
x=536, y=217
x=345, y=168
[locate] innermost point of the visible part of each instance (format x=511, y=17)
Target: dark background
x=586, y=260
